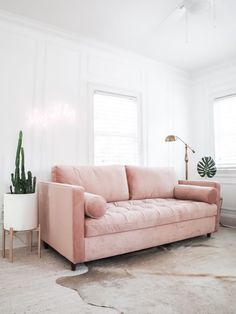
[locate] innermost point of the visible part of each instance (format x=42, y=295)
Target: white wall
x=213, y=82
x=42, y=69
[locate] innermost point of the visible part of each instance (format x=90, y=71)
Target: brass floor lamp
x=173, y=138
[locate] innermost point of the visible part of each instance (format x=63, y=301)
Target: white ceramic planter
x=20, y=211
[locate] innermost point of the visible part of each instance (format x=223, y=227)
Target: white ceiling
x=135, y=25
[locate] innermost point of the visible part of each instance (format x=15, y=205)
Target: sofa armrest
x=61, y=216
x=214, y=184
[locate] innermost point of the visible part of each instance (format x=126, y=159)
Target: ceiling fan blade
x=174, y=15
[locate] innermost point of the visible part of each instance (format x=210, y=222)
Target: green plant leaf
x=206, y=167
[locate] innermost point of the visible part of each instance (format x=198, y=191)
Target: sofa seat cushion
x=139, y=214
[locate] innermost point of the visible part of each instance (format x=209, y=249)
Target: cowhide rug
x=191, y=276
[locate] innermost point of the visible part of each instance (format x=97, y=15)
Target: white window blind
x=116, y=136
x=225, y=131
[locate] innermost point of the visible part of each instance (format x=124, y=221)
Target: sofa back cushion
x=150, y=182
x=107, y=181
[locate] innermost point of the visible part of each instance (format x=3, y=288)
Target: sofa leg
x=209, y=235
x=45, y=245
x=73, y=266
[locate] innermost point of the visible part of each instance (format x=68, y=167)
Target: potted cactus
x=20, y=205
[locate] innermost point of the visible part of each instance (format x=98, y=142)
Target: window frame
x=92, y=88
x=213, y=98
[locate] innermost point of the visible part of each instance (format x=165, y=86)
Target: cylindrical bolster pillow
x=195, y=193
x=94, y=205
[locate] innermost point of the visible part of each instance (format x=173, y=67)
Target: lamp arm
x=186, y=144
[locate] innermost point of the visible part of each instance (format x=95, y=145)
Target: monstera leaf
x=206, y=167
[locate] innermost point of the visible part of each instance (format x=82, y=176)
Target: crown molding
x=52, y=30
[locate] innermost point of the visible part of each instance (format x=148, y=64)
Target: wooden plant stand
x=11, y=235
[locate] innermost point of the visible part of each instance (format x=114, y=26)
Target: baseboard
x=228, y=217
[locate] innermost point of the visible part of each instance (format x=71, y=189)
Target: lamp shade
x=170, y=138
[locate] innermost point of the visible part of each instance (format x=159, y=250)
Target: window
x=225, y=131
x=116, y=131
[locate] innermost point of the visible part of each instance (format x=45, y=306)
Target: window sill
x=226, y=168
x=229, y=172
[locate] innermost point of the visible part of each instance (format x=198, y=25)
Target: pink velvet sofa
x=92, y=212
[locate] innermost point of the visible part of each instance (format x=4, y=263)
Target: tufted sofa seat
x=92, y=212
x=139, y=214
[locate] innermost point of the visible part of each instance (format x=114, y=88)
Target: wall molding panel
x=45, y=74
x=228, y=217
x=208, y=84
